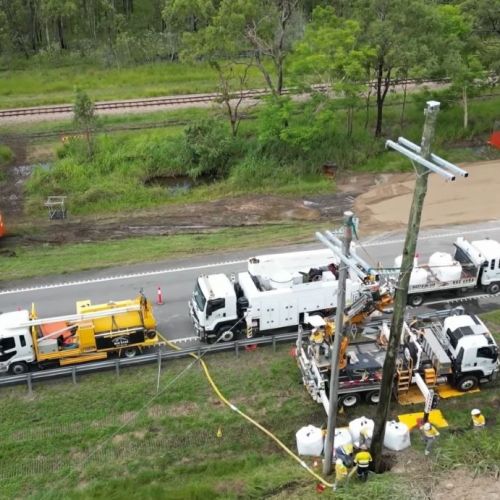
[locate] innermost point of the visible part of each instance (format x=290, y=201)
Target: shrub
x=209, y=149
x=6, y=154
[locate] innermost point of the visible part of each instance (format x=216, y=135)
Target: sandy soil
x=466, y=200
x=462, y=486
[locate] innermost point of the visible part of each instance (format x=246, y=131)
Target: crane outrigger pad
x=412, y=420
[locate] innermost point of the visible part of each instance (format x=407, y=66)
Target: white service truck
x=456, y=350
x=274, y=294
x=475, y=264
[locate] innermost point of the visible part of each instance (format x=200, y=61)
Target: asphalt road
x=56, y=295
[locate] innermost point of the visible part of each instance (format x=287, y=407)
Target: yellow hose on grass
x=268, y=433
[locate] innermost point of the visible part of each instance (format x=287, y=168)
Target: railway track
x=174, y=100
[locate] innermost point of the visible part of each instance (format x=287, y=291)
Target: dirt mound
x=387, y=206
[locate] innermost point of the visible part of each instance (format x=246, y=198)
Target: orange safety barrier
x=495, y=139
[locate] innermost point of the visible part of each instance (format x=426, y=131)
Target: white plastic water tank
x=445, y=267
x=399, y=259
x=281, y=279
x=397, y=436
x=357, y=424
x=342, y=436
x=418, y=276
x=440, y=259
x=310, y=441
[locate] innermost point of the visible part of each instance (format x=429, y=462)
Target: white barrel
x=397, y=436
x=310, y=441
x=418, y=276
x=440, y=259
x=342, y=436
x=357, y=424
x=449, y=273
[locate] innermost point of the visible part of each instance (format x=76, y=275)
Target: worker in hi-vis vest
x=430, y=434
x=340, y=473
x=363, y=459
x=478, y=420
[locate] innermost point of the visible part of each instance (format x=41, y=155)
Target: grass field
x=110, y=434
x=38, y=86
x=63, y=259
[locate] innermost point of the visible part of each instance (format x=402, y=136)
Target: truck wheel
x=467, y=383
x=18, y=368
x=493, y=288
x=225, y=334
x=416, y=300
x=350, y=400
x=130, y=352
x=373, y=397
x=151, y=334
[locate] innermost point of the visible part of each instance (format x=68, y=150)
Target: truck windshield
x=199, y=297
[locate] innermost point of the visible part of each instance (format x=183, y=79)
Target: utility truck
x=125, y=327
x=444, y=349
x=273, y=295
x=475, y=264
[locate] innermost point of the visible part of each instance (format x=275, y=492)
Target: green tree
x=220, y=45
x=330, y=53
x=458, y=54
x=84, y=117
x=188, y=15
x=485, y=17
x=57, y=12
x=267, y=29
x=393, y=28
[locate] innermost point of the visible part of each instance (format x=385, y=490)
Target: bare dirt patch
x=169, y=219
x=387, y=206
x=463, y=486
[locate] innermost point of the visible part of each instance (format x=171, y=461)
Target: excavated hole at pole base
x=387, y=463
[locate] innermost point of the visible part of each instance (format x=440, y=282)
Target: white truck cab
x=213, y=306
x=16, y=344
x=472, y=350
x=485, y=254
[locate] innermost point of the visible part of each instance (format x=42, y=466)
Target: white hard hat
x=475, y=411
x=427, y=426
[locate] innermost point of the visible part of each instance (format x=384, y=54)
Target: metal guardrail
x=118, y=363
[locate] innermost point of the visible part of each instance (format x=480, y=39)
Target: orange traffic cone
x=159, y=297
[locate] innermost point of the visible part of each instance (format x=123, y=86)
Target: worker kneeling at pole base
x=478, y=420
x=429, y=434
x=344, y=453
x=363, y=459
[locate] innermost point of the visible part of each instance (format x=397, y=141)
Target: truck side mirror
x=215, y=304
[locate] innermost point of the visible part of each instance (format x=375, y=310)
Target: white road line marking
x=431, y=236
x=218, y=264
x=119, y=277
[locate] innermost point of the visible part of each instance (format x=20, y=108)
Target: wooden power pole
x=423, y=162
x=335, y=354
